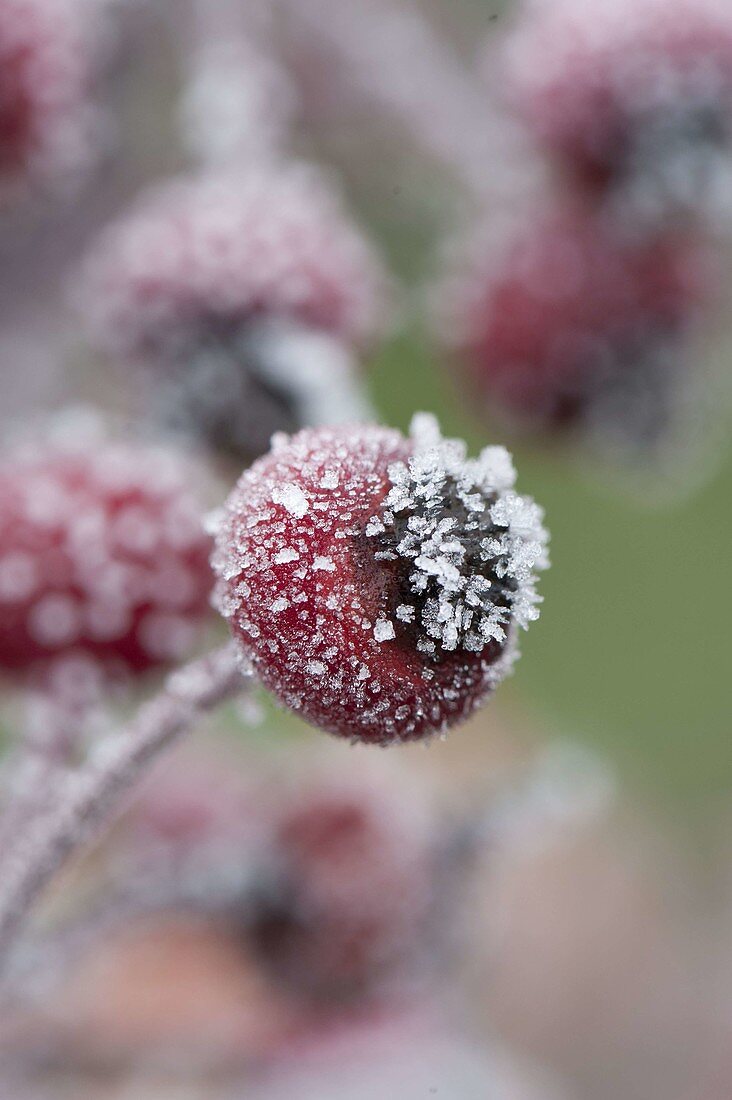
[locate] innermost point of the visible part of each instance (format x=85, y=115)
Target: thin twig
x=58, y=718
x=95, y=794
x=392, y=55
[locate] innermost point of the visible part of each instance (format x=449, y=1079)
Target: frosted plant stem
x=55, y=725
x=317, y=370
x=239, y=103
x=36, y=780
x=94, y=795
x=392, y=55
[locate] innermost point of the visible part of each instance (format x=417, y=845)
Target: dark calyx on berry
x=234, y=384
x=445, y=533
x=219, y=391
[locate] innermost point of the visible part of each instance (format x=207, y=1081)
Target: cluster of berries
x=375, y=583
x=581, y=321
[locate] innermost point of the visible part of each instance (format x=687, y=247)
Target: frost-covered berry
x=243, y=294
x=375, y=581
x=102, y=552
x=569, y=328
x=341, y=907
x=629, y=94
x=48, y=121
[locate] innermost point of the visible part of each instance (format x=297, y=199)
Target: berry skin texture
x=102, y=554
x=198, y=279
x=626, y=93
x=376, y=582
x=48, y=122
x=571, y=329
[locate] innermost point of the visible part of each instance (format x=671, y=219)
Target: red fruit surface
x=102, y=552
x=613, y=89
x=568, y=310
x=321, y=593
x=202, y=255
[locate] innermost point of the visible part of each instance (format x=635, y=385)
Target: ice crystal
x=470, y=546
x=292, y=498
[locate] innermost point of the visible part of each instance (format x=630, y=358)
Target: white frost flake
x=384, y=631
x=472, y=543
x=282, y=557
x=292, y=499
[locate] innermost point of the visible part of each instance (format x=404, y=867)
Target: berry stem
x=240, y=99
x=94, y=795
x=316, y=368
x=392, y=55
x=56, y=724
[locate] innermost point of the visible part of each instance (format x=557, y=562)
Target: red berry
x=342, y=904
x=102, y=552
x=48, y=123
x=205, y=272
x=376, y=582
x=567, y=326
x=627, y=93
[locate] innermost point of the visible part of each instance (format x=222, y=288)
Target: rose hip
x=102, y=553
x=377, y=582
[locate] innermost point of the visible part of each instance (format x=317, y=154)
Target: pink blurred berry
x=342, y=905
x=48, y=121
x=635, y=96
x=236, y=292
x=570, y=328
x=102, y=553
x=375, y=581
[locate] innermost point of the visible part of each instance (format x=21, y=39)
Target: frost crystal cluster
x=470, y=543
